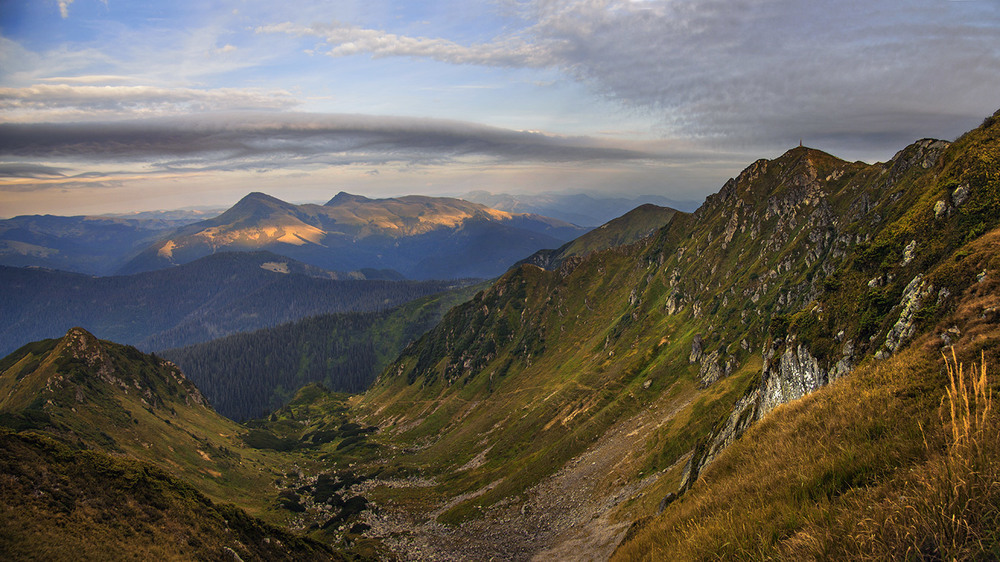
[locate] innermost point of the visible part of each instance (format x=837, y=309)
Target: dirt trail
x=568, y=516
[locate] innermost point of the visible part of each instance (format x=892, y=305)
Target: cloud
x=63, y=185
x=27, y=178
x=774, y=70
x=23, y=170
x=88, y=79
x=178, y=50
x=253, y=141
x=345, y=40
x=43, y=102
x=849, y=73
x=64, y=8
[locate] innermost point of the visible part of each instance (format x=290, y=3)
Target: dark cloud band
x=22, y=170
x=217, y=139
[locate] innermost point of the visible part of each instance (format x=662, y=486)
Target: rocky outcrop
x=715, y=366
x=792, y=375
x=908, y=252
x=712, y=365
x=960, y=195
x=790, y=372
x=696, y=351
x=801, y=224
x=845, y=363
x=941, y=209
x=84, y=347
x=545, y=259
x=922, y=154
x=910, y=304
x=675, y=303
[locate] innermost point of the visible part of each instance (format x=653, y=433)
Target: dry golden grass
x=948, y=508
x=877, y=466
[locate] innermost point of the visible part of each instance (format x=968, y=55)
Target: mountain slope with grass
x=109, y=397
x=798, y=271
x=421, y=237
x=89, y=424
x=59, y=503
x=120, y=450
x=895, y=461
x=644, y=220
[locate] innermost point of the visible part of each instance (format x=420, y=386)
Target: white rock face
x=940, y=209
x=960, y=194
x=787, y=376
x=695, y=350
x=908, y=252
x=715, y=366
x=796, y=374
x=911, y=302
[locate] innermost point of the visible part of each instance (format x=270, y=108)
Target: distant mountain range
x=421, y=237
x=577, y=208
x=205, y=299
x=85, y=244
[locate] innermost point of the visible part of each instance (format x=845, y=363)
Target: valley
x=344, y=352
x=749, y=380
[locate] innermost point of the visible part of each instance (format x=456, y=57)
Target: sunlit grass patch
x=949, y=507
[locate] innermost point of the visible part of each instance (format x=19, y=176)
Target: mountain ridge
x=105, y=439
x=577, y=208
x=416, y=235
x=95, y=245
x=131, y=444
x=639, y=223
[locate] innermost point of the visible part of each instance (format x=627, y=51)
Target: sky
x=117, y=106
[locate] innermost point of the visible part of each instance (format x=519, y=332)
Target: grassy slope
x=460, y=418
x=131, y=432
x=57, y=503
x=532, y=371
x=864, y=468
x=631, y=227
x=109, y=397
x=868, y=467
